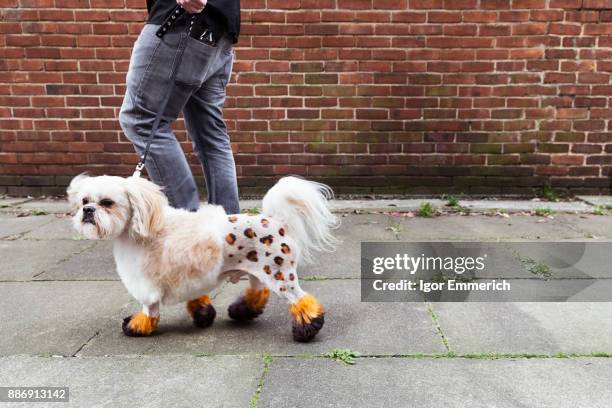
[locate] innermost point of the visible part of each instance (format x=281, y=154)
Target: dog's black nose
x=89, y=210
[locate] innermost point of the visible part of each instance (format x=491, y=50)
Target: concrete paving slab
x=485, y=228
x=344, y=262
x=475, y=205
x=433, y=383
x=567, y=259
x=55, y=317
x=10, y=225
x=7, y=202
x=339, y=205
x=50, y=206
x=96, y=263
x=528, y=290
x=61, y=228
x=407, y=328
x=377, y=205
x=526, y=327
x=384, y=205
x=525, y=205
x=22, y=260
x=412, y=204
x=596, y=200
x=597, y=226
x=137, y=381
x=528, y=260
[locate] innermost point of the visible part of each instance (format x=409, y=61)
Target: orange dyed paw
x=139, y=325
x=308, y=318
x=202, y=311
x=250, y=305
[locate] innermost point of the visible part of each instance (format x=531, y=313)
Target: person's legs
x=204, y=121
x=147, y=86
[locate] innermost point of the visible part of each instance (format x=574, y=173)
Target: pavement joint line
x=436, y=322
x=96, y=334
x=254, y=401
x=415, y=356
x=67, y=258
x=467, y=356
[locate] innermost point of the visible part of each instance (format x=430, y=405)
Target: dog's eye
x=85, y=201
x=106, y=202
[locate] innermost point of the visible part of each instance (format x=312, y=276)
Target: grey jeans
x=199, y=92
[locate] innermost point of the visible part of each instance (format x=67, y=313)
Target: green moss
x=267, y=360
x=601, y=209
x=543, y=212
x=536, y=267
x=347, y=356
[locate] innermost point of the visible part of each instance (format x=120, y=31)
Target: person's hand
x=192, y=6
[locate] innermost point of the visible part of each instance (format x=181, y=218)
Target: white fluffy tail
x=303, y=206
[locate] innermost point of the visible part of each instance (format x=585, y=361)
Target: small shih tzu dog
x=166, y=255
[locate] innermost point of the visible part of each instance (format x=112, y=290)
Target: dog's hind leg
x=252, y=303
x=202, y=311
x=307, y=314
x=142, y=323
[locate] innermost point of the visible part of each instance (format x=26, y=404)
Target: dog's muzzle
x=88, y=215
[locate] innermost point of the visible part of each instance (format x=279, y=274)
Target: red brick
x=528, y=4
x=426, y=4
x=355, y=4
x=443, y=17
x=348, y=91
x=596, y=4
x=566, y=4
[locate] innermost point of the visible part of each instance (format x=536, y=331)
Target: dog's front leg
x=142, y=323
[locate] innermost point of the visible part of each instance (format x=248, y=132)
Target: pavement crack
x=267, y=359
x=436, y=322
x=96, y=334
x=22, y=234
x=66, y=258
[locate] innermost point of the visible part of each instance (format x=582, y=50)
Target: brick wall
x=417, y=96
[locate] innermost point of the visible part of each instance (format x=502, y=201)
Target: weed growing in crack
x=426, y=210
x=347, y=356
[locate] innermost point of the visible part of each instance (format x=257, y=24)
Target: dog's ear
x=147, y=202
x=73, y=190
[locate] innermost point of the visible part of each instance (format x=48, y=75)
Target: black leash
x=206, y=36
x=174, y=17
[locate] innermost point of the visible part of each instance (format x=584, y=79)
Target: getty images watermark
x=486, y=272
